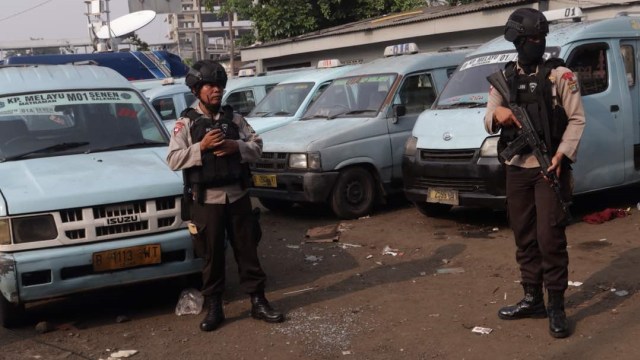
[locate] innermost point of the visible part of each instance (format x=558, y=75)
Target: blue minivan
x=87, y=200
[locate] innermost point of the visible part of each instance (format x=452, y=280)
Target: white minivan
x=450, y=159
x=87, y=200
x=347, y=148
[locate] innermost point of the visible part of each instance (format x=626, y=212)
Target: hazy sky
x=21, y=20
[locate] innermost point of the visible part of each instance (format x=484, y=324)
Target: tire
x=275, y=205
x=354, y=194
x=431, y=209
x=10, y=314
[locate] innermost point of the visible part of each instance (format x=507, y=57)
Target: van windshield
x=282, y=100
x=360, y=96
x=47, y=124
x=468, y=86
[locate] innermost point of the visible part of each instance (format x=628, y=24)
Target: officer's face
x=211, y=94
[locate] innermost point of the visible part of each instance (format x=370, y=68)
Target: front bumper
x=478, y=181
x=298, y=187
x=53, y=272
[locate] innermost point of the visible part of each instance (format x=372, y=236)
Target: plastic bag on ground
x=190, y=302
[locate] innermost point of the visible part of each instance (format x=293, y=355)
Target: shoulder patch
x=572, y=82
x=176, y=129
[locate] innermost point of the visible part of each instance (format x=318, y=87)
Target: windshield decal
x=35, y=103
x=489, y=59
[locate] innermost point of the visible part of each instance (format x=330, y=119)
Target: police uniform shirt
x=566, y=86
x=183, y=154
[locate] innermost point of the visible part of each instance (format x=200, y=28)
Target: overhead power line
x=25, y=10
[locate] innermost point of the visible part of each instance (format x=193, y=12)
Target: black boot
x=215, y=314
x=261, y=310
x=531, y=306
x=558, y=323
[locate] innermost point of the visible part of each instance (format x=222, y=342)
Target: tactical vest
x=216, y=170
x=535, y=94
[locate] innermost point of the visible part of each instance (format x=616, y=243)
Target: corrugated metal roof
x=417, y=15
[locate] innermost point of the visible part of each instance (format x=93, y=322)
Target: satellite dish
x=126, y=24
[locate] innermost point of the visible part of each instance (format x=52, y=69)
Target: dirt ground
x=346, y=300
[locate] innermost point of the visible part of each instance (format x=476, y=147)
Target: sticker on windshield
x=489, y=59
x=34, y=102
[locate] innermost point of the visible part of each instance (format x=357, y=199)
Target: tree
x=135, y=40
x=280, y=19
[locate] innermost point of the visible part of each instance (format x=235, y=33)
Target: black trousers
x=536, y=218
x=214, y=222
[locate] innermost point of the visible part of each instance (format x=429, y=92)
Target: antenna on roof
x=102, y=35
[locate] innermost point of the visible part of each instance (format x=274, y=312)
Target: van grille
x=465, y=185
x=462, y=155
x=120, y=220
x=272, y=161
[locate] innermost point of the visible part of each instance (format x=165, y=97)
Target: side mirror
x=399, y=110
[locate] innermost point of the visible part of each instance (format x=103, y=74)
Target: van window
x=360, y=96
x=242, y=101
x=591, y=64
x=283, y=100
x=417, y=93
x=629, y=63
x=165, y=108
x=49, y=124
x=189, y=99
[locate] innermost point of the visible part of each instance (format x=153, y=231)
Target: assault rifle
x=527, y=136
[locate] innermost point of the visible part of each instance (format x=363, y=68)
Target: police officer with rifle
x=212, y=146
x=536, y=106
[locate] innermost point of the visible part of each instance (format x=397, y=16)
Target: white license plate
x=443, y=196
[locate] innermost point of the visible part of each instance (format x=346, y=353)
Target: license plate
x=265, y=181
x=126, y=257
x=442, y=196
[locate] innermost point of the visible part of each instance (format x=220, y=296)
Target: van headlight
x=305, y=161
x=410, y=147
x=34, y=228
x=489, y=147
x=5, y=232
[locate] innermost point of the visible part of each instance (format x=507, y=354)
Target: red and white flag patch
x=177, y=128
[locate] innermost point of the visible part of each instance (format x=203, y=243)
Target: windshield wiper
x=467, y=104
x=352, y=112
x=276, y=113
x=127, y=146
x=53, y=148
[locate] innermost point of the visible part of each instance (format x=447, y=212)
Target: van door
x=416, y=93
x=606, y=105
x=629, y=52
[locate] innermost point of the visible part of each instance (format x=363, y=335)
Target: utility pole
x=232, y=48
x=201, y=32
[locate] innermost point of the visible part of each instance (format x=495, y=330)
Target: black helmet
x=206, y=72
x=525, y=22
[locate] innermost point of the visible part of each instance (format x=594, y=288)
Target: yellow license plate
x=265, y=181
x=126, y=257
x=442, y=196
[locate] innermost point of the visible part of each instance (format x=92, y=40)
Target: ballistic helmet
x=525, y=22
x=206, y=72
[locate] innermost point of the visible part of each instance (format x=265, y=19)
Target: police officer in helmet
x=212, y=145
x=549, y=93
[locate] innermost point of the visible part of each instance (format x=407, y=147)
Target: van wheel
x=431, y=209
x=10, y=313
x=354, y=193
x=275, y=205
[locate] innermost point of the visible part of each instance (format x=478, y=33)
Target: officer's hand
x=210, y=139
x=504, y=117
x=556, y=161
x=226, y=147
